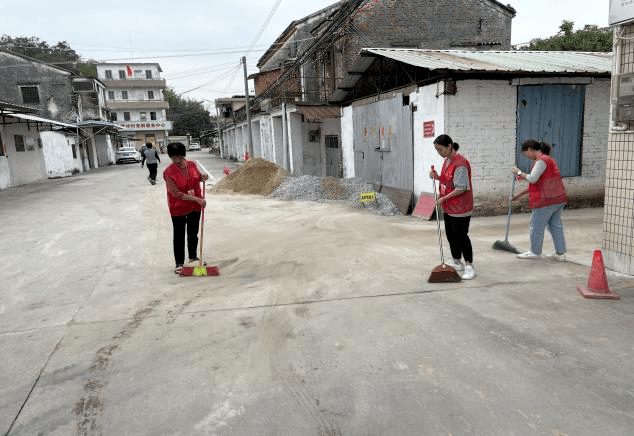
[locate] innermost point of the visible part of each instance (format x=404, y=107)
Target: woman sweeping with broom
x=456, y=199
x=185, y=201
x=547, y=198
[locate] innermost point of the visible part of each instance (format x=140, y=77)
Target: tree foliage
x=60, y=54
x=189, y=116
x=589, y=39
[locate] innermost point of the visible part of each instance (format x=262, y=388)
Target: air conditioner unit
x=624, y=97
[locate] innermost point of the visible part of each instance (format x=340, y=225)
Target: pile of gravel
x=331, y=189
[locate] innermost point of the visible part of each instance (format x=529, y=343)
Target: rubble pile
x=324, y=189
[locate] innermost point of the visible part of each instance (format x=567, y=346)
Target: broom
x=201, y=270
x=442, y=273
x=505, y=244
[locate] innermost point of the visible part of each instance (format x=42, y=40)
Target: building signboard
x=146, y=125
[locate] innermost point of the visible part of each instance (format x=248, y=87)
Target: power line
x=268, y=19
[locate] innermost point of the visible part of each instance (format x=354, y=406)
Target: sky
x=199, y=43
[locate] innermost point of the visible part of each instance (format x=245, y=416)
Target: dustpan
x=442, y=273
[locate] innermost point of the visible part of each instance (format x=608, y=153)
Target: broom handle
x=442, y=255
x=202, y=229
x=508, y=221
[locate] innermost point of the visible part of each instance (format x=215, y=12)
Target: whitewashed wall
x=347, y=142
x=429, y=108
x=58, y=154
x=481, y=117
x=28, y=166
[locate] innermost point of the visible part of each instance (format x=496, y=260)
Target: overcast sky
x=199, y=43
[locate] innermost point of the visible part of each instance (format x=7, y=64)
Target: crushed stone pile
x=262, y=177
x=324, y=189
x=257, y=176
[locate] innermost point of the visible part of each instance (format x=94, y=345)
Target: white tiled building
x=134, y=96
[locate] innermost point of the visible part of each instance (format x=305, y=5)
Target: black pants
x=457, y=229
x=152, y=169
x=185, y=224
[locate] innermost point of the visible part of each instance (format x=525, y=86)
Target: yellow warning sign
x=367, y=197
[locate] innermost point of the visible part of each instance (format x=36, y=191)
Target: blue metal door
x=554, y=114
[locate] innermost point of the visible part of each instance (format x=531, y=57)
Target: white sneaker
x=469, y=272
x=455, y=264
x=555, y=256
x=528, y=255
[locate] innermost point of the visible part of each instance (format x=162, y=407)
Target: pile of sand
x=257, y=176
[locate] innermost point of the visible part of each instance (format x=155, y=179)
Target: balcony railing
x=134, y=83
x=136, y=104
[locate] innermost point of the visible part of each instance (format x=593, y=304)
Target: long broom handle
x=508, y=220
x=202, y=229
x=442, y=255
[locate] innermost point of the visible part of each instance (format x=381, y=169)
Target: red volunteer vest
x=549, y=189
x=185, y=184
x=463, y=203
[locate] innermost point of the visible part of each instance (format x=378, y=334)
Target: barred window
x=19, y=143
x=30, y=95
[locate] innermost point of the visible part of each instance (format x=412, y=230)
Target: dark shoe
x=196, y=260
x=178, y=268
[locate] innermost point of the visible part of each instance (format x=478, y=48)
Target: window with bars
x=121, y=74
x=150, y=95
x=30, y=94
x=108, y=74
x=19, y=143
x=148, y=74
x=124, y=95
x=111, y=95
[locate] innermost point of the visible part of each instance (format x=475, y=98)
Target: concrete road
x=321, y=322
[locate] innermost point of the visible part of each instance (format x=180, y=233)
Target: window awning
x=41, y=120
x=317, y=112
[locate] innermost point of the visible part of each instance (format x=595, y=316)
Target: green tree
x=188, y=115
x=60, y=54
x=590, y=38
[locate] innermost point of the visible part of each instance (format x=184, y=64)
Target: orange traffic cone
x=597, y=281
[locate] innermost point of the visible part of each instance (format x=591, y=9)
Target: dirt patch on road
x=257, y=176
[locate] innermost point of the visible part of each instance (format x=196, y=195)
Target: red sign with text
x=428, y=129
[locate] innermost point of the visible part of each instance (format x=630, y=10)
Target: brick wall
x=481, y=117
x=431, y=24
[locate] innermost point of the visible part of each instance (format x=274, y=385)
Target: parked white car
x=128, y=154
x=194, y=146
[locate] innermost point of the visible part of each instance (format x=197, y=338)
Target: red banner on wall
x=428, y=129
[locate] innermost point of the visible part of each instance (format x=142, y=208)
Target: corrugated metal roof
x=320, y=112
x=41, y=120
x=500, y=61
x=464, y=61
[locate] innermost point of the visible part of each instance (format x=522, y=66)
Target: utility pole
x=221, y=142
x=246, y=95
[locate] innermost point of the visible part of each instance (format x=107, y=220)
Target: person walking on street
x=547, y=198
x=151, y=156
x=456, y=199
x=184, y=200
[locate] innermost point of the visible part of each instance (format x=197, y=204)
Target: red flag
x=129, y=70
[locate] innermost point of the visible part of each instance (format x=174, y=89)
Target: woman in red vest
x=456, y=199
x=547, y=198
x=184, y=199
